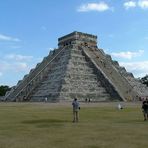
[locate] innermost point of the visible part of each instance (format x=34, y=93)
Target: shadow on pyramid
x=78, y=68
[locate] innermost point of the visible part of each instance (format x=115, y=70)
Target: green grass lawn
x=39, y=125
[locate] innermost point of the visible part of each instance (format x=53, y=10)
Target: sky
x=29, y=29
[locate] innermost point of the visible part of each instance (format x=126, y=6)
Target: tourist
x=86, y=100
x=46, y=99
x=120, y=106
x=76, y=109
x=145, y=109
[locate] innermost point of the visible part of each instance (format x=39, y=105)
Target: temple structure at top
x=77, y=68
x=78, y=38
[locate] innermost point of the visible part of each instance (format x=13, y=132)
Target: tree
x=4, y=89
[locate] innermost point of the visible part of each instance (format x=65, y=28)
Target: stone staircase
x=80, y=80
x=101, y=62
x=51, y=86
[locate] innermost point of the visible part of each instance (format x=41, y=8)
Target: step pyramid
x=77, y=68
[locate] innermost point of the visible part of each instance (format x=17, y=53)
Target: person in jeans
x=76, y=109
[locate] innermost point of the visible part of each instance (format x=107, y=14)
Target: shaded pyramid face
x=76, y=69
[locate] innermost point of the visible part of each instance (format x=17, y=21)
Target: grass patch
x=29, y=125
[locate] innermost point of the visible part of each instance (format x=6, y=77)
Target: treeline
x=4, y=89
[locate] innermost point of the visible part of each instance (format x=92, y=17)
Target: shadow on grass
x=43, y=123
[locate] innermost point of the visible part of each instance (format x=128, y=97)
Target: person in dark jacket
x=145, y=109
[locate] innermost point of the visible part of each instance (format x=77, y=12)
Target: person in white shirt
x=119, y=106
x=46, y=99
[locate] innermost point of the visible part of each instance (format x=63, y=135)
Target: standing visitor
x=76, y=109
x=120, y=106
x=46, y=99
x=145, y=109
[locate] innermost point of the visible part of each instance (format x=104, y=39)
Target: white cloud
x=128, y=54
x=143, y=4
x=15, y=63
x=8, y=38
x=50, y=49
x=102, y=6
x=13, y=67
x=18, y=57
x=4, y=66
x=130, y=4
x=139, y=69
x=20, y=67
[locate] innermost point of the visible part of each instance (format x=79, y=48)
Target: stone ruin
x=77, y=68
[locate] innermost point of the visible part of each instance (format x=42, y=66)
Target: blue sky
x=29, y=29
